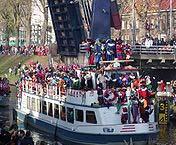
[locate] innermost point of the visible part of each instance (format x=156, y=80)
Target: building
x=37, y=20
x=33, y=15
x=156, y=23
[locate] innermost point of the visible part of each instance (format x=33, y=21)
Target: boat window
x=33, y=104
x=38, y=105
x=59, y=18
x=56, y=110
x=79, y=114
x=62, y=113
x=90, y=117
x=56, y=1
x=28, y=102
x=70, y=115
x=57, y=10
x=44, y=108
x=50, y=109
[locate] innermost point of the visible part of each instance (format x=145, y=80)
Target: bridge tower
x=68, y=26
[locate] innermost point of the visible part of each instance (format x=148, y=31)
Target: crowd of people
x=113, y=87
x=24, y=50
x=19, y=137
x=149, y=41
x=4, y=86
x=106, y=50
x=169, y=86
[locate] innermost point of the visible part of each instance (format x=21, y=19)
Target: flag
x=100, y=25
x=115, y=16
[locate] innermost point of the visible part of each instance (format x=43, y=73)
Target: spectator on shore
x=10, y=71
x=27, y=140
x=24, y=50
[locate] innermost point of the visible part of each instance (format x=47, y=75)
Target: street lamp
x=133, y=24
x=170, y=19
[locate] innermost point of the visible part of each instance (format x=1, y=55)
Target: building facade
x=158, y=23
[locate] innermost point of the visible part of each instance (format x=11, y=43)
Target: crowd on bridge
x=149, y=41
x=106, y=50
x=40, y=50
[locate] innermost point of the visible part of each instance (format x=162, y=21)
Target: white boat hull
x=73, y=137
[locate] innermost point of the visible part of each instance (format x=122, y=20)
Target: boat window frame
x=39, y=106
x=48, y=111
x=77, y=116
x=68, y=115
x=28, y=102
x=43, y=107
x=58, y=111
x=33, y=104
x=65, y=116
x=95, y=119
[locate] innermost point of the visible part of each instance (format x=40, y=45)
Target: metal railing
x=155, y=49
x=158, y=50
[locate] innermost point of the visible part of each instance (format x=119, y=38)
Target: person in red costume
x=144, y=93
x=163, y=86
x=91, y=59
x=119, y=50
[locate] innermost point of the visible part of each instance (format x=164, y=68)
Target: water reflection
x=6, y=115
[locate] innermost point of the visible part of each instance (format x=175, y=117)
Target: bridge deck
x=154, y=52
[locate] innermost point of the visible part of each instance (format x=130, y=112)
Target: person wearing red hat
x=143, y=92
x=119, y=50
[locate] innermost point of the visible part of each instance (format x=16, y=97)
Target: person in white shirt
x=101, y=79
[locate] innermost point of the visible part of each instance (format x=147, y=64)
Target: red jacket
x=144, y=93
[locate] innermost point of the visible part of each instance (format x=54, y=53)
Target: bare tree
x=26, y=13
x=44, y=9
x=15, y=4
x=16, y=14
x=144, y=9
x=6, y=16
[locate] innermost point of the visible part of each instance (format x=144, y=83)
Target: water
x=167, y=135
x=6, y=119
x=6, y=115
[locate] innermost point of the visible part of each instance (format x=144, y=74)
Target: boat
x=4, y=92
x=79, y=115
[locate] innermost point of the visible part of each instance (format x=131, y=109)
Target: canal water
x=167, y=135
x=6, y=120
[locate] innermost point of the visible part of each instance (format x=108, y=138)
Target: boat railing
x=51, y=91
x=39, y=89
x=166, y=91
